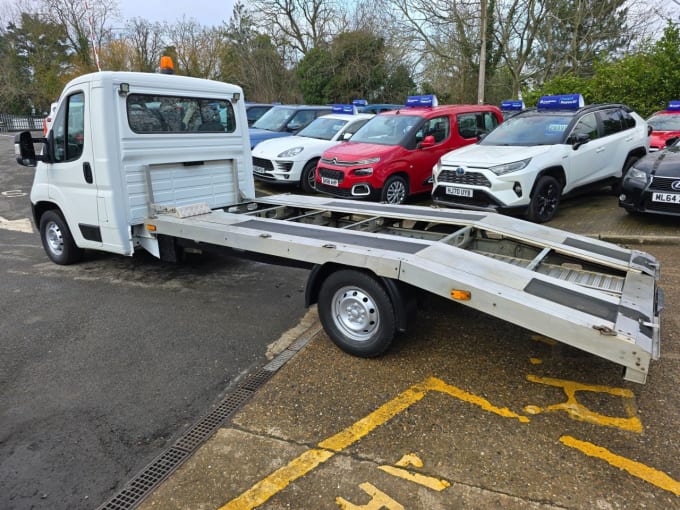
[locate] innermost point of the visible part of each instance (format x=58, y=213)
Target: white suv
x=532, y=160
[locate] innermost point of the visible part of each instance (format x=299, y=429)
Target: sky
x=206, y=12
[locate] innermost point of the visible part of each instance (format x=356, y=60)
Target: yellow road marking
x=278, y=480
x=303, y=464
x=637, y=469
x=379, y=500
x=426, y=481
x=410, y=460
x=580, y=412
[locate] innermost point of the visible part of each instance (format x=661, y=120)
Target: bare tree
x=87, y=29
x=146, y=41
x=197, y=48
x=302, y=24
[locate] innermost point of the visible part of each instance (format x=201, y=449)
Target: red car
x=391, y=157
x=665, y=124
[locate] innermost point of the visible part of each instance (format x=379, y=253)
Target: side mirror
x=581, y=139
x=428, y=141
x=346, y=136
x=24, y=150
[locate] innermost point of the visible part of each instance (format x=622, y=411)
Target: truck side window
x=69, y=129
x=172, y=114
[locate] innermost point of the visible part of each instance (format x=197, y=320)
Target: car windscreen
x=275, y=119
x=387, y=129
x=323, y=128
x=526, y=130
x=665, y=122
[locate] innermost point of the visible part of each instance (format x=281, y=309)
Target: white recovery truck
x=162, y=163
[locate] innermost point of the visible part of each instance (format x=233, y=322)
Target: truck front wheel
x=357, y=313
x=57, y=239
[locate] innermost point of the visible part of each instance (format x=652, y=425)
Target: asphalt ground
x=465, y=411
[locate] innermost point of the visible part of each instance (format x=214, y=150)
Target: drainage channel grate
x=142, y=484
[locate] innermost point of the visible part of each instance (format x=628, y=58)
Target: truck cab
x=116, y=135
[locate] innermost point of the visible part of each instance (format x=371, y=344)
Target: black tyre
x=544, y=199
x=308, y=177
x=395, y=190
x=618, y=186
x=57, y=239
x=357, y=313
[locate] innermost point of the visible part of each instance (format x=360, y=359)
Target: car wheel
x=357, y=313
x=308, y=177
x=57, y=239
x=395, y=190
x=544, y=199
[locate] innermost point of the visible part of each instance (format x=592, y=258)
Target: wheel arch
x=41, y=208
x=556, y=172
x=402, y=295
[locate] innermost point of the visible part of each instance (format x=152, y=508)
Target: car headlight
x=506, y=168
x=437, y=168
x=368, y=161
x=291, y=152
x=636, y=175
x=363, y=172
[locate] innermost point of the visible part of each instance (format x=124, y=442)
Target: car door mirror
x=580, y=139
x=428, y=141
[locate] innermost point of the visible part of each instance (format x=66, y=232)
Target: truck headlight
x=506, y=168
x=636, y=175
x=291, y=152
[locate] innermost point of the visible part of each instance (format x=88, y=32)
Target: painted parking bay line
x=308, y=461
x=637, y=469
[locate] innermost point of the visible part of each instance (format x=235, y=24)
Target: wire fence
x=20, y=122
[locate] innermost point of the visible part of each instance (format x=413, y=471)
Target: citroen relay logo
x=460, y=170
x=675, y=185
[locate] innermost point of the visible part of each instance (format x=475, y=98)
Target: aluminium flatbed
x=586, y=293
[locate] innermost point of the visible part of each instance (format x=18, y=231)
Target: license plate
x=259, y=169
x=459, y=192
x=669, y=198
x=329, y=182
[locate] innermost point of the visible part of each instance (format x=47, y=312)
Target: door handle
x=87, y=173
x=601, y=149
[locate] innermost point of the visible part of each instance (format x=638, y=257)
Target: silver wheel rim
x=54, y=238
x=396, y=192
x=355, y=313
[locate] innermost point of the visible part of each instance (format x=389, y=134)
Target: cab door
x=71, y=174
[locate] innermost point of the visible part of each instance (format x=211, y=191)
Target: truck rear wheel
x=357, y=313
x=57, y=239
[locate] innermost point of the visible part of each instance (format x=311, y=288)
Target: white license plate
x=670, y=198
x=259, y=169
x=329, y=182
x=459, y=192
